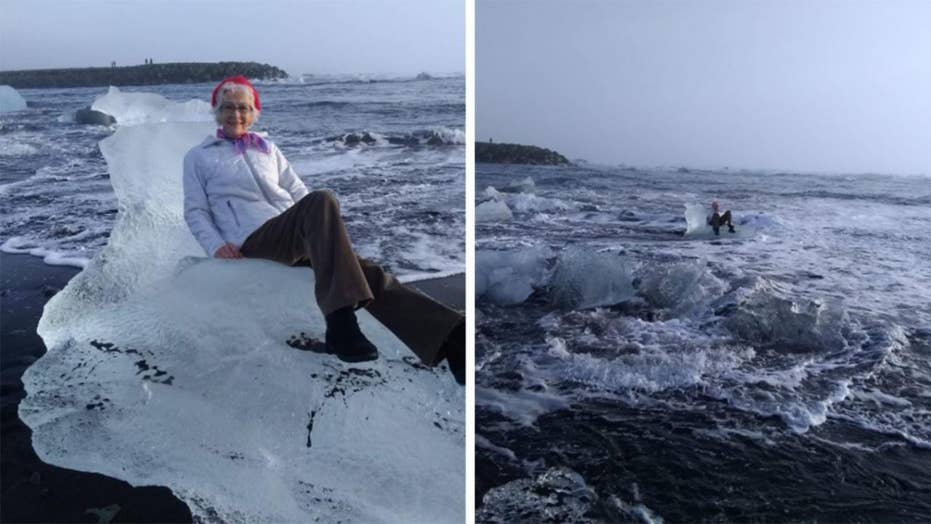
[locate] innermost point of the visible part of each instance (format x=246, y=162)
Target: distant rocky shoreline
x=490, y=152
x=147, y=74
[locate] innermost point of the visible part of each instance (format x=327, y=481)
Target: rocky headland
x=493, y=153
x=146, y=74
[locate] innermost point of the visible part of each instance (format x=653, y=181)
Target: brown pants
x=720, y=220
x=312, y=233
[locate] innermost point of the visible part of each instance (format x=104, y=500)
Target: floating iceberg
x=746, y=225
x=11, y=100
x=509, y=277
x=696, y=219
x=585, y=279
x=140, y=108
x=167, y=368
x=492, y=211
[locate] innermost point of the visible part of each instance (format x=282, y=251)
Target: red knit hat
x=237, y=80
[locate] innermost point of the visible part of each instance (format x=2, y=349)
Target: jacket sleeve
x=288, y=179
x=197, y=208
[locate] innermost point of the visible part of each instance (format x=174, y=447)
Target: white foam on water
x=879, y=398
x=484, y=443
x=525, y=185
x=638, y=511
x=530, y=203
x=14, y=245
x=624, y=355
x=431, y=253
x=9, y=146
x=11, y=100
x=450, y=136
x=524, y=406
x=167, y=368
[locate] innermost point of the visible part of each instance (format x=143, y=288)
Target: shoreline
x=138, y=74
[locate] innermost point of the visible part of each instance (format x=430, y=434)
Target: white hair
x=228, y=88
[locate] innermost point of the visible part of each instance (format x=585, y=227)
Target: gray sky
x=828, y=86
x=300, y=36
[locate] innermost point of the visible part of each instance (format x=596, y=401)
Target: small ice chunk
x=11, y=100
x=509, y=277
x=584, y=279
x=492, y=193
x=681, y=288
x=139, y=108
x=696, y=218
x=557, y=495
x=522, y=186
x=493, y=211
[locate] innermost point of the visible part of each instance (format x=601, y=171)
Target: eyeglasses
x=232, y=108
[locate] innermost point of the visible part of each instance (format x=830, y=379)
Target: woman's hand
x=228, y=251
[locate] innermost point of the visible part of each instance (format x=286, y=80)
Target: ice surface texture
x=492, y=211
x=167, y=368
x=509, y=277
x=11, y=100
x=140, y=108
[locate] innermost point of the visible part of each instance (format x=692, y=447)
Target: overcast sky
x=827, y=86
x=300, y=36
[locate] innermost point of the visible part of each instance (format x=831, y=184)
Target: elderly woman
x=243, y=199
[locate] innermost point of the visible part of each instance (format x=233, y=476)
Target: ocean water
x=634, y=366
x=402, y=188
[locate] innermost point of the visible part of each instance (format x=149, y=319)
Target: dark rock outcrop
x=490, y=152
x=148, y=74
x=423, y=137
x=93, y=117
x=354, y=139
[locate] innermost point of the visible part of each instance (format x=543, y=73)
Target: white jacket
x=228, y=195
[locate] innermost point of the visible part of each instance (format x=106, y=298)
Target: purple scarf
x=247, y=140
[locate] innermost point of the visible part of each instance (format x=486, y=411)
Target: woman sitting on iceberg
x=717, y=219
x=243, y=199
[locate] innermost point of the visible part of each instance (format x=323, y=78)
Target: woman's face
x=236, y=113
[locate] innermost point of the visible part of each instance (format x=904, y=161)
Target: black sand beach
x=32, y=491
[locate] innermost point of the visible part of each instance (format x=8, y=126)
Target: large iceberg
x=168, y=368
x=11, y=100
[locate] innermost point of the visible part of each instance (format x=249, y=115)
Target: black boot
x=454, y=348
x=730, y=228
x=345, y=339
